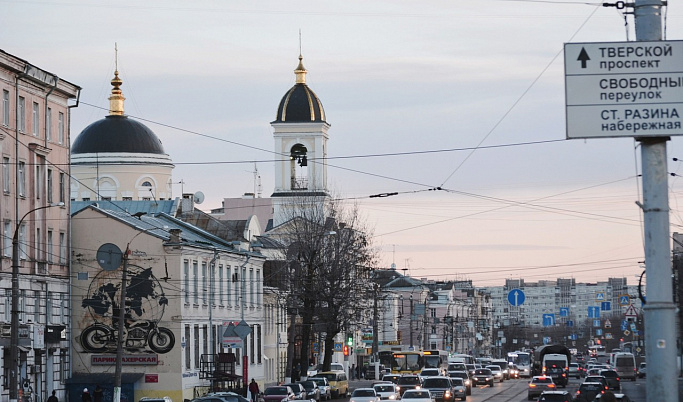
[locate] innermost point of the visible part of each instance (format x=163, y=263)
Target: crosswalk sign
x=599, y=296
x=624, y=300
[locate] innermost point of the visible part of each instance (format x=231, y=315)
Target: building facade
x=34, y=143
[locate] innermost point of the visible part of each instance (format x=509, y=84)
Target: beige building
x=118, y=158
x=34, y=143
x=183, y=285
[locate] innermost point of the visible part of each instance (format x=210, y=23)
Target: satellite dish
x=109, y=256
x=198, y=197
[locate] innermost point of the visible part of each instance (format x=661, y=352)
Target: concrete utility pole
x=660, y=314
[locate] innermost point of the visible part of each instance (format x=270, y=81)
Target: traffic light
x=349, y=339
x=346, y=350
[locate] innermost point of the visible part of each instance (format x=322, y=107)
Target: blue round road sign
x=516, y=297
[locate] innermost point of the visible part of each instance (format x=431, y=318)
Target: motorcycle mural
x=144, y=307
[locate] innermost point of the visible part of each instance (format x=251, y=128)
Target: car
x=417, y=395
x=456, y=367
x=391, y=377
x=465, y=377
x=210, y=397
x=459, y=388
x=538, y=384
x=618, y=397
x=387, y=391
x=497, y=372
x=483, y=376
x=408, y=382
x=642, y=370
x=278, y=394
x=574, y=370
x=514, y=371
x=597, y=378
x=593, y=371
x=588, y=390
x=440, y=388
x=555, y=396
x=504, y=367
x=323, y=386
x=312, y=390
x=364, y=395
x=299, y=391
x=612, y=377
x=470, y=369
x=429, y=372
x=339, y=382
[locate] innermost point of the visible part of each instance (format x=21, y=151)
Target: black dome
x=117, y=134
x=300, y=105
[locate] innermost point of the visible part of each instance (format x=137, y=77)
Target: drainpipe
x=46, y=108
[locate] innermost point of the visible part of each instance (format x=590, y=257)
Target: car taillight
x=532, y=385
x=551, y=385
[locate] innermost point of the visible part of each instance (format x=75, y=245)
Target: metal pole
x=660, y=311
x=411, y=322
x=120, y=334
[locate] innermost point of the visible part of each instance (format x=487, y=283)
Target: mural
x=144, y=308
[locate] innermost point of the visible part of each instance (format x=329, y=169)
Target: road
x=516, y=390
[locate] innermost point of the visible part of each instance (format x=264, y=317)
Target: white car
x=364, y=395
x=387, y=391
x=429, y=372
x=417, y=395
x=497, y=372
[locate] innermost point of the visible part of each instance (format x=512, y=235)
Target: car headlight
x=392, y=396
x=417, y=387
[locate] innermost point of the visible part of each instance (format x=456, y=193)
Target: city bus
x=523, y=362
x=435, y=359
x=407, y=362
x=462, y=358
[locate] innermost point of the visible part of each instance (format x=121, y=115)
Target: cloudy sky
x=468, y=96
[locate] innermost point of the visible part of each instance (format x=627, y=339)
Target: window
x=220, y=284
x=22, y=179
x=22, y=241
x=258, y=344
x=252, y=355
x=228, y=284
x=186, y=275
x=49, y=246
x=5, y=108
x=62, y=188
x=8, y=234
x=39, y=182
x=49, y=186
x=205, y=340
x=36, y=306
x=5, y=175
x=36, y=119
x=205, y=290
x=251, y=287
x=60, y=128
x=22, y=114
x=195, y=280
x=48, y=125
x=62, y=248
x=196, y=346
x=127, y=198
x=188, y=355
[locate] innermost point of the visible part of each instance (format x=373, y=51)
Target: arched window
x=299, y=167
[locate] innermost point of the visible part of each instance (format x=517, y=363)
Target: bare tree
x=329, y=254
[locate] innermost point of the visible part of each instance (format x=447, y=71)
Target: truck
x=553, y=360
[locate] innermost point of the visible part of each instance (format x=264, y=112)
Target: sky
x=465, y=96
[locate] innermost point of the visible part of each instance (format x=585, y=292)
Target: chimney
x=175, y=236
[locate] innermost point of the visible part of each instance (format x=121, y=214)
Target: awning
x=103, y=378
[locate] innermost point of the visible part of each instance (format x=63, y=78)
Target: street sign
x=596, y=323
x=608, y=324
x=516, y=297
x=548, y=320
x=337, y=347
x=624, y=325
x=593, y=312
x=564, y=311
x=599, y=296
x=598, y=332
x=606, y=306
x=624, y=300
x=624, y=89
x=631, y=312
x=627, y=332
x=608, y=335
x=570, y=323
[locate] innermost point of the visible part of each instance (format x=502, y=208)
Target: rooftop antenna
x=116, y=56
x=393, y=257
x=257, y=183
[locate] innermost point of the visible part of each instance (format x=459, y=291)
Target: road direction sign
x=606, y=306
x=548, y=320
x=624, y=89
x=593, y=312
x=570, y=323
x=598, y=332
x=564, y=311
x=516, y=297
x=596, y=323
x=624, y=300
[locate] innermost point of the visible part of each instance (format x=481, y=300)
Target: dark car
x=555, y=396
x=409, y=381
x=482, y=376
x=612, y=378
x=465, y=378
x=597, y=378
x=299, y=391
x=277, y=394
x=312, y=390
x=538, y=385
x=212, y=397
x=588, y=390
x=391, y=377
x=440, y=388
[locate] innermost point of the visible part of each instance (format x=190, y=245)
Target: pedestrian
x=353, y=371
x=98, y=394
x=53, y=398
x=85, y=396
x=253, y=390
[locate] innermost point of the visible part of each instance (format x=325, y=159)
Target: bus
x=386, y=357
x=597, y=351
x=435, y=359
x=523, y=362
x=462, y=358
x=407, y=362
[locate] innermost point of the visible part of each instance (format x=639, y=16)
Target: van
x=339, y=383
x=625, y=365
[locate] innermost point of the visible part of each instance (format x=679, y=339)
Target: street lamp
x=14, y=330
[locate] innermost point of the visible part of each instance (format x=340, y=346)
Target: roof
x=131, y=207
x=300, y=104
x=117, y=134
